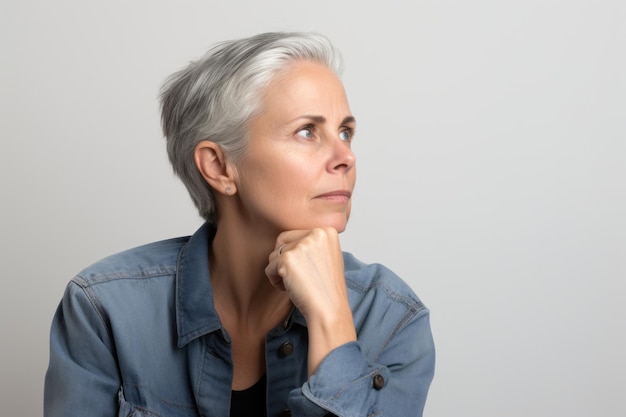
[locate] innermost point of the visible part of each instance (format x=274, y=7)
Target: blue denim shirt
x=137, y=334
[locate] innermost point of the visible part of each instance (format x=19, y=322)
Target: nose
x=342, y=157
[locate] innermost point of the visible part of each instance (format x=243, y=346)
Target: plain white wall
x=491, y=149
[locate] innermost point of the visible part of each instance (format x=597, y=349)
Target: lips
x=338, y=195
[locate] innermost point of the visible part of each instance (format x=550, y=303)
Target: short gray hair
x=215, y=97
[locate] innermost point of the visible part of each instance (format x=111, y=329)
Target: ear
x=214, y=168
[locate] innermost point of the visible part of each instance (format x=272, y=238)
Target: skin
x=291, y=193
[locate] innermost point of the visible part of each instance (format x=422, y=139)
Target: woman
x=259, y=313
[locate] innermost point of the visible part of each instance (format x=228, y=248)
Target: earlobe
x=213, y=166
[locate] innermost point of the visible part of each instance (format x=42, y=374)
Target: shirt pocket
x=128, y=410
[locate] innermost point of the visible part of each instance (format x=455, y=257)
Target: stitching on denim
x=414, y=307
x=393, y=295
x=180, y=322
x=203, y=350
x=406, y=318
x=341, y=389
x=143, y=411
x=93, y=300
x=95, y=279
x=170, y=403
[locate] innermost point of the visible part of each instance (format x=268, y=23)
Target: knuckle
x=331, y=231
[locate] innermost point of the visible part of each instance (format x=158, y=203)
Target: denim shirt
x=137, y=334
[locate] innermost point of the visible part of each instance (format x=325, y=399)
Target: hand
x=308, y=264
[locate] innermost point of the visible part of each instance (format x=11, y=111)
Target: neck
x=243, y=295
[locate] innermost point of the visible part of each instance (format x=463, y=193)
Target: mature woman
x=259, y=313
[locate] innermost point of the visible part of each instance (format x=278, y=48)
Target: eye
x=306, y=132
x=346, y=134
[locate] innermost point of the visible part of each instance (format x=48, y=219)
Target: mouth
x=338, y=196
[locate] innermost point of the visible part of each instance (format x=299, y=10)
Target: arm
x=392, y=382
x=394, y=385
x=308, y=264
x=82, y=378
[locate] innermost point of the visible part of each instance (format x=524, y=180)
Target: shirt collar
x=195, y=312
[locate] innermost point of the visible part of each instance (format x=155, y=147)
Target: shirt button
x=285, y=413
x=379, y=381
x=286, y=349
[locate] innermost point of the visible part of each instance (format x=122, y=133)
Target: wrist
x=326, y=333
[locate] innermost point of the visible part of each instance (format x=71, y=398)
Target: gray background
x=491, y=149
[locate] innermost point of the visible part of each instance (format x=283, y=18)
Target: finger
x=285, y=241
x=278, y=251
x=271, y=271
x=290, y=236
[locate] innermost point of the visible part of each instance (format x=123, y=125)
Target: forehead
x=302, y=85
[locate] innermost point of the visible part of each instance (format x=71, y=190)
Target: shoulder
x=146, y=261
x=386, y=311
x=377, y=283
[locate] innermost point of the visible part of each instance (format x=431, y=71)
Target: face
x=299, y=169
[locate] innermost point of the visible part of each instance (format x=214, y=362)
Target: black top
x=250, y=402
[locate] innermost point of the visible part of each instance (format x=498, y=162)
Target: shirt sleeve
x=82, y=377
x=395, y=384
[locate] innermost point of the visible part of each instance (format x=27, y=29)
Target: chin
x=340, y=228
x=338, y=221
x=339, y=224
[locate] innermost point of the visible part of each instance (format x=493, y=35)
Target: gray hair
x=215, y=97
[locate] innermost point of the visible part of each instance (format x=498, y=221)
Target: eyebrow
x=322, y=119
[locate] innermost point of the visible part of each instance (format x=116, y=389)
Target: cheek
x=272, y=187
